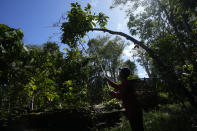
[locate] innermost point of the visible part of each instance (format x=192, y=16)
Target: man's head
x=124, y=73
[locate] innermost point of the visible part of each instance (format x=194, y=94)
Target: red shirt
x=126, y=93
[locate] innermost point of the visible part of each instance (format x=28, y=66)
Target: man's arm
x=116, y=95
x=111, y=83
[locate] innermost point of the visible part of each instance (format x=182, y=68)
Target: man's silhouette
x=125, y=92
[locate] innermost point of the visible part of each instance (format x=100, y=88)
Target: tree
x=146, y=26
x=84, y=21
x=131, y=65
x=39, y=77
x=73, y=79
x=169, y=29
x=12, y=67
x=108, y=54
x=107, y=59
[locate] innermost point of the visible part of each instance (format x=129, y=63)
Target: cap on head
x=124, y=72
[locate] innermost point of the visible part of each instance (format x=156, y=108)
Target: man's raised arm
x=111, y=83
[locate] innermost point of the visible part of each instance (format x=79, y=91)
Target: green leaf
x=19, y=34
x=195, y=23
x=172, y=4
x=4, y=28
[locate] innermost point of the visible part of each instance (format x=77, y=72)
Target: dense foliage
x=169, y=29
x=40, y=78
x=167, y=49
x=36, y=78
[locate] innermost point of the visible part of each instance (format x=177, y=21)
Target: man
x=125, y=92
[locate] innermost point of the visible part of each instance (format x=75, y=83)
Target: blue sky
x=35, y=18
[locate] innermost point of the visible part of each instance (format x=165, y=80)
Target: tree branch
x=141, y=44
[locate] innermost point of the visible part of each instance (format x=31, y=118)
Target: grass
x=167, y=118
x=124, y=126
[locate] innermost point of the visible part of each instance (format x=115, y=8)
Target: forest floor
x=167, y=118
x=171, y=117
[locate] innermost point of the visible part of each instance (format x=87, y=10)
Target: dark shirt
x=125, y=92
